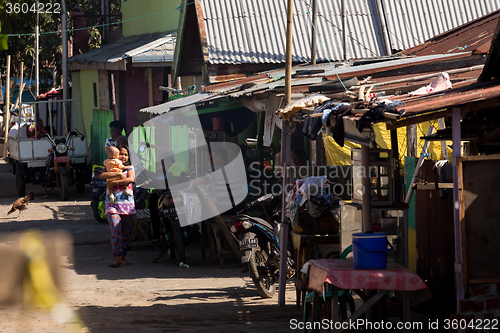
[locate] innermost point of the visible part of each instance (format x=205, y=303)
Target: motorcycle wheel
x=96, y=211
x=177, y=250
x=20, y=185
x=64, y=186
x=258, y=267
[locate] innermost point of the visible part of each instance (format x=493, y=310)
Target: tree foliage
x=23, y=23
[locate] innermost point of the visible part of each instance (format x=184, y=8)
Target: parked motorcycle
x=257, y=240
x=172, y=238
x=60, y=172
x=98, y=194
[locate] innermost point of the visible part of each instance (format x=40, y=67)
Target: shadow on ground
x=230, y=316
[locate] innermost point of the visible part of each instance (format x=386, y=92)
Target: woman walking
x=120, y=213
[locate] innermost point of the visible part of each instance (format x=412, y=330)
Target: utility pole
x=7, y=111
x=285, y=151
x=313, y=31
x=64, y=62
x=37, y=48
x=288, y=53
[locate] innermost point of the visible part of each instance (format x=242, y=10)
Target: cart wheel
x=20, y=185
x=64, y=186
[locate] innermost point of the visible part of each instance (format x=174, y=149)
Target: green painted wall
x=86, y=80
x=179, y=143
x=167, y=18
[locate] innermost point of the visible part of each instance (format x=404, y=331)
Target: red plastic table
x=341, y=274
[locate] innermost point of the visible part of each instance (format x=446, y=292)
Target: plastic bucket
x=370, y=250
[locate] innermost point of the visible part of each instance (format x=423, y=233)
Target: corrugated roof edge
x=123, y=48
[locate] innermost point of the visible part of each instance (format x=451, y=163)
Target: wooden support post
x=285, y=230
x=395, y=165
x=444, y=147
x=456, y=135
x=313, y=31
x=21, y=88
x=365, y=183
x=411, y=141
x=150, y=87
x=7, y=106
x=285, y=151
x=260, y=137
x=288, y=52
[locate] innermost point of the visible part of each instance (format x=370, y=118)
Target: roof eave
x=115, y=66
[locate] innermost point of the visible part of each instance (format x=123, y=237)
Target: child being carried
x=113, y=164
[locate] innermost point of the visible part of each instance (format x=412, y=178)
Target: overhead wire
x=339, y=29
x=101, y=25
x=328, y=58
x=407, y=27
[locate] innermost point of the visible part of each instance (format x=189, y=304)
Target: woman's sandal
x=124, y=263
x=114, y=264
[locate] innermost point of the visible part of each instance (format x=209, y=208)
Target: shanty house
x=118, y=79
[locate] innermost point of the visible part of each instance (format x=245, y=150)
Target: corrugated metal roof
x=469, y=97
x=418, y=71
x=474, y=36
x=161, y=53
x=412, y=22
x=149, y=47
x=254, y=31
x=274, y=79
x=180, y=102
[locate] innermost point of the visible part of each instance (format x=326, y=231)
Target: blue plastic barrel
x=370, y=250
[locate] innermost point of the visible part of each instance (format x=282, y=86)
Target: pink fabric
x=341, y=273
x=442, y=82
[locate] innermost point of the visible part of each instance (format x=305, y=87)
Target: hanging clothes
x=377, y=113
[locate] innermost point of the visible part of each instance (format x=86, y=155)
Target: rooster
x=21, y=204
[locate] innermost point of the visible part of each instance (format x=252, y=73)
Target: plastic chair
x=345, y=297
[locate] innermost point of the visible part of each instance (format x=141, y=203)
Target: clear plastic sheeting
x=217, y=168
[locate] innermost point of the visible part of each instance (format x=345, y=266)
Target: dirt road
x=142, y=297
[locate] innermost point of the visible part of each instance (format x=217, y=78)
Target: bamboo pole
x=64, y=76
x=313, y=31
x=383, y=26
x=37, y=53
x=21, y=88
x=366, y=202
x=7, y=112
x=288, y=53
x=457, y=154
x=285, y=152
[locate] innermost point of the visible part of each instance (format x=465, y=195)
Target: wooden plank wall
x=99, y=133
x=435, y=242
